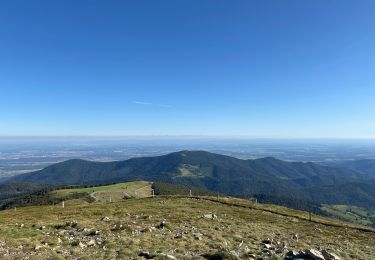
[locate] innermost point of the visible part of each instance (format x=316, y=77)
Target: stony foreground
x=172, y=228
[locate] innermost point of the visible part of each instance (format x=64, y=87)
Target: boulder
x=330, y=256
x=291, y=254
x=314, y=254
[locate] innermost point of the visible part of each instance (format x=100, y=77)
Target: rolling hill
x=219, y=173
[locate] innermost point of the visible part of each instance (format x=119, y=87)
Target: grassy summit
x=173, y=226
x=115, y=192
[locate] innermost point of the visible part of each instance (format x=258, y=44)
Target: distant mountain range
x=220, y=173
x=365, y=166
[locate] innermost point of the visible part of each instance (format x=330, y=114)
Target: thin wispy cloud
x=142, y=103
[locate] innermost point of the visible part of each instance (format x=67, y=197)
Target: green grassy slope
x=351, y=213
x=121, y=230
x=115, y=192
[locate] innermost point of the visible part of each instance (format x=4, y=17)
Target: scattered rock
x=197, y=236
x=210, y=216
x=166, y=256
x=146, y=255
x=291, y=254
x=330, y=256
x=38, y=247
x=162, y=225
x=92, y=242
x=251, y=256
x=116, y=227
x=90, y=232
x=268, y=246
x=314, y=254
x=105, y=219
x=81, y=245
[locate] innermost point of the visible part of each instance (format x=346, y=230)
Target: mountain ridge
x=219, y=173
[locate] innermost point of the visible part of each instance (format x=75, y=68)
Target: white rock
x=314, y=254
x=330, y=256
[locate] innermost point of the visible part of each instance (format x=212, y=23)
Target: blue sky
x=223, y=68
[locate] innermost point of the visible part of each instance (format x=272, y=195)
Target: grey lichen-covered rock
x=210, y=216
x=291, y=254
x=330, y=256
x=315, y=254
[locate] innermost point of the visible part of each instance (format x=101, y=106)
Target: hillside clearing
x=115, y=192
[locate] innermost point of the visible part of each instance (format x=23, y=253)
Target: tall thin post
x=190, y=194
x=153, y=193
x=63, y=204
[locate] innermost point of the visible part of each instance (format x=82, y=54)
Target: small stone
x=252, y=256
x=268, y=246
x=90, y=232
x=167, y=256
x=161, y=225
x=210, y=216
x=105, y=219
x=92, y=242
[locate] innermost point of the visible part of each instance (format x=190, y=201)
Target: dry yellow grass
x=131, y=227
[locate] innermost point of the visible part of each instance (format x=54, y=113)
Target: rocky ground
x=173, y=228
